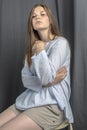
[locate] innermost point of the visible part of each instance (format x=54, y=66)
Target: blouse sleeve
x=46, y=66
x=30, y=81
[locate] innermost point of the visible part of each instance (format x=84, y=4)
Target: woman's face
x=40, y=20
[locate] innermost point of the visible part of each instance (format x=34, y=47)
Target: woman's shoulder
x=62, y=43
x=61, y=38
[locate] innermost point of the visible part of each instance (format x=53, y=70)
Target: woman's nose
x=38, y=16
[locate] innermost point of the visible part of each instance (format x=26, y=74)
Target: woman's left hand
x=60, y=75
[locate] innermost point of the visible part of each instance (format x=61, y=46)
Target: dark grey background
x=71, y=18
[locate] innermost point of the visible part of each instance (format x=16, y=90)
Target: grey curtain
x=71, y=18
x=79, y=84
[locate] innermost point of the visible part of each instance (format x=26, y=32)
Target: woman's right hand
x=38, y=47
x=60, y=75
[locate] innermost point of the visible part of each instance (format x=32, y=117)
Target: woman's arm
x=33, y=82
x=60, y=75
x=29, y=80
x=48, y=63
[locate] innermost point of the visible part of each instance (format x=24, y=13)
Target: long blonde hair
x=33, y=35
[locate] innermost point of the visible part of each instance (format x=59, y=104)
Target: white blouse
x=41, y=72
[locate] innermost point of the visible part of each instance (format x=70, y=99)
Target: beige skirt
x=47, y=117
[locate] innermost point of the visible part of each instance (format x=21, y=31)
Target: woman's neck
x=44, y=36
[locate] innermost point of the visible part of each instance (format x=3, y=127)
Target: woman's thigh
x=21, y=122
x=6, y=116
x=47, y=117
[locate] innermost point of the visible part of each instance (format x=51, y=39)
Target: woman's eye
x=33, y=16
x=43, y=14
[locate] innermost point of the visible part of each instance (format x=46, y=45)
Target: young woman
x=45, y=102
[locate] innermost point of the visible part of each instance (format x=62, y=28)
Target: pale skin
x=8, y=119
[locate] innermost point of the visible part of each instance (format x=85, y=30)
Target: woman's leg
x=6, y=116
x=20, y=122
